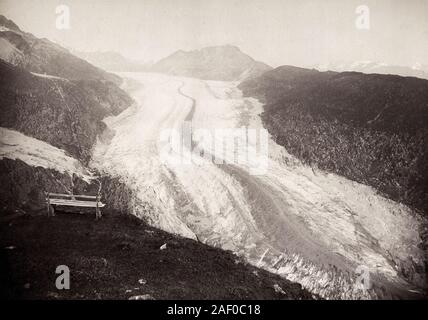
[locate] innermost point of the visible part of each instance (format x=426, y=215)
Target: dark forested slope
x=370, y=128
x=65, y=113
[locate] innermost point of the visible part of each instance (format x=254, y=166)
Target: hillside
x=49, y=122
x=49, y=94
x=226, y=63
x=65, y=113
x=31, y=167
x=367, y=127
x=42, y=56
x=119, y=257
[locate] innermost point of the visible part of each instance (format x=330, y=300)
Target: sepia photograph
x=213, y=150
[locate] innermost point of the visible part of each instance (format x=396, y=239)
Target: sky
x=277, y=32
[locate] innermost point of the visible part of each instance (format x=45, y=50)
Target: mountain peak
x=226, y=47
x=226, y=63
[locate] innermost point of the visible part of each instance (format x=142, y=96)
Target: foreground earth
x=119, y=257
x=314, y=228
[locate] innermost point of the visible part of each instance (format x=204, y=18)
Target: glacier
x=312, y=227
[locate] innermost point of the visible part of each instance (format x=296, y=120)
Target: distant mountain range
x=113, y=61
x=227, y=63
x=418, y=70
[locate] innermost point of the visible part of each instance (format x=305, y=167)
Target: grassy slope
x=108, y=257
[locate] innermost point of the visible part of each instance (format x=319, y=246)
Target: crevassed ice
x=15, y=145
x=309, y=226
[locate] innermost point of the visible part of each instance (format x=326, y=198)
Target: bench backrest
x=64, y=196
x=76, y=200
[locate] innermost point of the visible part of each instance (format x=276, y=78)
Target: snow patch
x=48, y=76
x=15, y=145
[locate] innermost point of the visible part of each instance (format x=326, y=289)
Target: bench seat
x=76, y=203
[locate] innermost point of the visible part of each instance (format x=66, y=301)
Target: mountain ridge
x=369, y=67
x=43, y=56
x=65, y=113
x=223, y=63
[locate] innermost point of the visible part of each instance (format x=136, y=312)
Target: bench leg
x=97, y=213
x=97, y=209
x=52, y=211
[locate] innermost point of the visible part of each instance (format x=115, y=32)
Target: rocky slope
x=24, y=50
x=51, y=111
x=23, y=187
x=49, y=94
x=367, y=127
x=226, y=63
x=30, y=167
x=65, y=113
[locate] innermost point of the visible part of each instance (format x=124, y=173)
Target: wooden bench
x=73, y=200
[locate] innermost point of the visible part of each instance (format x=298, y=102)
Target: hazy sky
x=297, y=32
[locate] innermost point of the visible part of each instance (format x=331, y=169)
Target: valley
x=307, y=225
x=303, y=184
